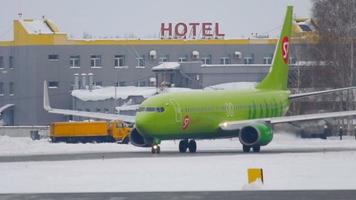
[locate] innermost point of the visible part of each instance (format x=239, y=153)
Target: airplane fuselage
x=197, y=114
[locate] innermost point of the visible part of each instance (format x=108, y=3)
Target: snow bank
x=257, y=185
x=11, y=146
x=219, y=165
x=281, y=142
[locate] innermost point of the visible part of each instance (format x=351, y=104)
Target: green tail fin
x=277, y=78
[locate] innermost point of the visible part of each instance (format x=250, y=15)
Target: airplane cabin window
x=151, y=109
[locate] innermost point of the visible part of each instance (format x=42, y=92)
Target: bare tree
x=336, y=31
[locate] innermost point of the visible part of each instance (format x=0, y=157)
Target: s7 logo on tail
x=285, y=49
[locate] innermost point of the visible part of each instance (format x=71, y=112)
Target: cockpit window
x=151, y=109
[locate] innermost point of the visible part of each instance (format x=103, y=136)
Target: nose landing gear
x=185, y=144
x=156, y=149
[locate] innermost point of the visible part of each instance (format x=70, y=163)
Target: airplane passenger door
x=177, y=110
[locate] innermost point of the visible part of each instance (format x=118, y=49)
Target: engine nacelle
x=138, y=140
x=258, y=134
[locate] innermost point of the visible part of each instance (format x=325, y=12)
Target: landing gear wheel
x=246, y=149
x=156, y=149
x=183, y=145
x=256, y=148
x=192, y=146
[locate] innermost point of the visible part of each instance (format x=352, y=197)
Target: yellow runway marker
x=254, y=174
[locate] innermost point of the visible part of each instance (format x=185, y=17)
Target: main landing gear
x=247, y=149
x=185, y=144
x=156, y=149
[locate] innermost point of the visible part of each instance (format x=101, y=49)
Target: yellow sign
x=254, y=174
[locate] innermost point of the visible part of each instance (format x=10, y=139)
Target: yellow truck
x=94, y=131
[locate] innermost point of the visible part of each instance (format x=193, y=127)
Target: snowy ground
x=288, y=163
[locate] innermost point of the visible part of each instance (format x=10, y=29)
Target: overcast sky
x=238, y=18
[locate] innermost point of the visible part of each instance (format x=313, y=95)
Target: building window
x=53, y=57
x=97, y=110
x=248, y=60
x=152, y=81
x=225, y=60
x=106, y=110
x=1, y=62
x=182, y=59
x=11, y=62
x=141, y=83
x=206, y=60
x=53, y=84
x=74, y=61
x=11, y=88
x=119, y=61
x=1, y=89
x=122, y=83
x=99, y=83
x=95, y=61
x=140, y=62
x=267, y=60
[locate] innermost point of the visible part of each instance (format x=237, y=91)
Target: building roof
x=30, y=32
x=166, y=66
x=123, y=92
x=36, y=26
x=3, y=108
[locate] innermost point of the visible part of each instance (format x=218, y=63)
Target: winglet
x=46, y=105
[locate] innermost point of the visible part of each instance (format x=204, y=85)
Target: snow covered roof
x=233, y=85
x=166, y=66
x=104, y=93
x=127, y=107
x=36, y=26
x=6, y=107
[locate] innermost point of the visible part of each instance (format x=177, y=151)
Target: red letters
x=194, y=28
x=217, y=33
x=207, y=29
x=181, y=30
x=164, y=29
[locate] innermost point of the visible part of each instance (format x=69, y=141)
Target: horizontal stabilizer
x=296, y=96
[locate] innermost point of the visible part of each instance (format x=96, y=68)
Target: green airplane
x=246, y=114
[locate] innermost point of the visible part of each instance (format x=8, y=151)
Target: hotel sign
x=206, y=30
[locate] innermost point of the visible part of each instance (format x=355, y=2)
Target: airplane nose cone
x=142, y=122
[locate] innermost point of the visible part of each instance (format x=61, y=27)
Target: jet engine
x=138, y=140
x=258, y=134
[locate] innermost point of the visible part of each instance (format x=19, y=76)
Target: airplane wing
x=236, y=125
x=296, y=96
x=94, y=115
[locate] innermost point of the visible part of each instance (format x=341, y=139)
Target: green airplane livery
x=246, y=114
